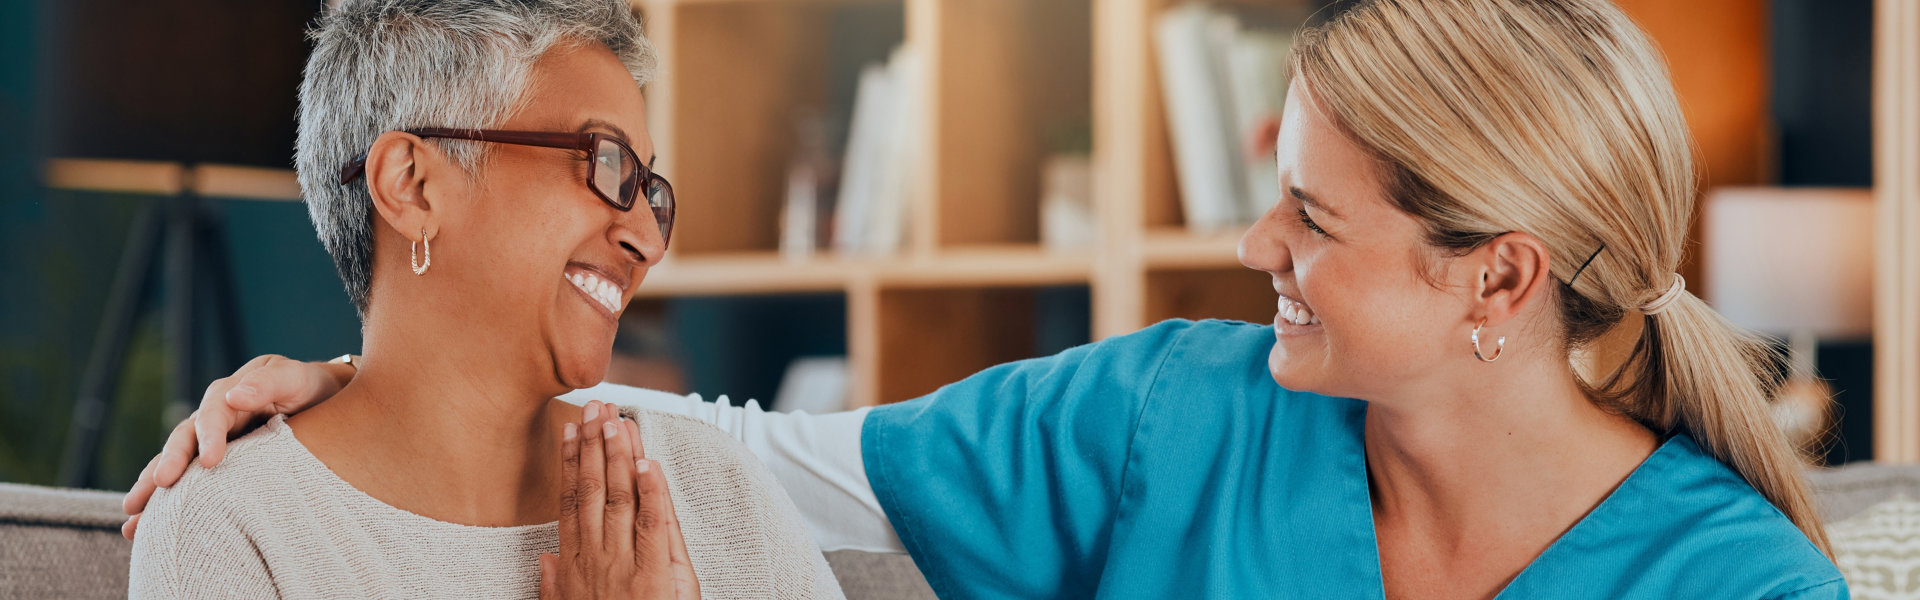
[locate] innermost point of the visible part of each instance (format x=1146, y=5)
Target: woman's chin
x=1286, y=371
x=582, y=373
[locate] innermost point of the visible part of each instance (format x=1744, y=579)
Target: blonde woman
x=1472, y=191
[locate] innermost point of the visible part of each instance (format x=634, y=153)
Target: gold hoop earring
x=1499, y=344
x=413, y=254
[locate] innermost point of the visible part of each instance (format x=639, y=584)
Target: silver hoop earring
x=1499, y=344
x=413, y=254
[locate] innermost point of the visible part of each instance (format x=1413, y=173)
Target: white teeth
x=1298, y=314
x=606, y=293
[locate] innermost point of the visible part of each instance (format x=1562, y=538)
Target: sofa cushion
x=62, y=543
x=57, y=543
x=1879, y=549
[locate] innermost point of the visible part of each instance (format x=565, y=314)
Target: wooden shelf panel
x=1176, y=248
x=120, y=176
x=171, y=179
x=252, y=183
x=743, y=273
x=987, y=266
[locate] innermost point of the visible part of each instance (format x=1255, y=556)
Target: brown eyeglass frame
x=585, y=142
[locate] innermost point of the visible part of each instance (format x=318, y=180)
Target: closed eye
x=1307, y=220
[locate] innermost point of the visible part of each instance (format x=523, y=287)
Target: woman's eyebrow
x=592, y=124
x=1308, y=200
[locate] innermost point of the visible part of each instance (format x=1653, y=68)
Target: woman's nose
x=638, y=236
x=1262, y=248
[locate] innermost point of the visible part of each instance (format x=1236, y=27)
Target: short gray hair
x=385, y=65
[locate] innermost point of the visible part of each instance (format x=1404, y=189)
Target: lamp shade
x=1791, y=260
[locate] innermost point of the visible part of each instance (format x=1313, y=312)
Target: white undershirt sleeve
x=815, y=457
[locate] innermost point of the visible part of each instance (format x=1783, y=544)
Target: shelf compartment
x=1010, y=81
x=1236, y=293
x=921, y=339
x=735, y=80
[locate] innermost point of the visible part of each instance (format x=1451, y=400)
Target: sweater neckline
x=310, y=469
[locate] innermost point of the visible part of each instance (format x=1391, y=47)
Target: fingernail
x=610, y=429
x=641, y=466
x=592, y=412
x=242, y=391
x=570, y=431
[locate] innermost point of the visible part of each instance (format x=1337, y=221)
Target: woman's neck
x=444, y=432
x=1513, y=446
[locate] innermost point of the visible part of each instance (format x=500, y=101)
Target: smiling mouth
x=599, y=289
x=1297, y=313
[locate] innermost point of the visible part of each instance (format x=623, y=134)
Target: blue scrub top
x=1167, y=464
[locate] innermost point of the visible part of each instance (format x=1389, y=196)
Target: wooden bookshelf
x=998, y=75
x=998, y=72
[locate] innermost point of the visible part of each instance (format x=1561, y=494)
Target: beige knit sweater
x=273, y=521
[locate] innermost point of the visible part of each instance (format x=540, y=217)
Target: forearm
x=815, y=457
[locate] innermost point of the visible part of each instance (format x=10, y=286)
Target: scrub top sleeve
x=1006, y=483
x=1836, y=589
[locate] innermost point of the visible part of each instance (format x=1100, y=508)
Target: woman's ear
x=1514, y=270
x=397, y=179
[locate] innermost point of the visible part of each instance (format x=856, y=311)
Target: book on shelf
x=806, y=218
x=883, y=149
x=1222, y=82
x=1257, y=69
x=799, y=218
x=1067, y=221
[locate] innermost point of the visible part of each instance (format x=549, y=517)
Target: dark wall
x=1822, y=109
x=1823, y=91
x=176, y=80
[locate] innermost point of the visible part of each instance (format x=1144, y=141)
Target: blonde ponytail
x=1557, y=118
x=1695, y=371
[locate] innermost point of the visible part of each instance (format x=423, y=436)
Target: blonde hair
x=1557, y=118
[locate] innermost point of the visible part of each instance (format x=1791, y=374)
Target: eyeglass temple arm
x=353, y=169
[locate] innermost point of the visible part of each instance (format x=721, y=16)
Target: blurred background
x=878, y=197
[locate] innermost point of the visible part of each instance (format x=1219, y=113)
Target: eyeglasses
x=615, y=173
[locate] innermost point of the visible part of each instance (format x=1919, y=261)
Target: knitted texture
x=273, y=521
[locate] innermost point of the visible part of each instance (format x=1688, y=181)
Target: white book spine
x=892, y=204
x=1257, y=65
x=1200, y=117
x=865, y=160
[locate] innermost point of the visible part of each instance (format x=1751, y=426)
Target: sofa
x=61, y=543
x=64, y=543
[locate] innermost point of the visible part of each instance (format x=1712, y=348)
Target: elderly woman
x=480, y=171
x=1473, y=191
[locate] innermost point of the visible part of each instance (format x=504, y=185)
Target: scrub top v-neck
x=1167, y=464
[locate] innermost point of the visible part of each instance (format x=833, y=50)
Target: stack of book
x=864, y=210
x=1223, y=83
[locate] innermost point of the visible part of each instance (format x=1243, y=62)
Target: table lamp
x=1794, y=263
